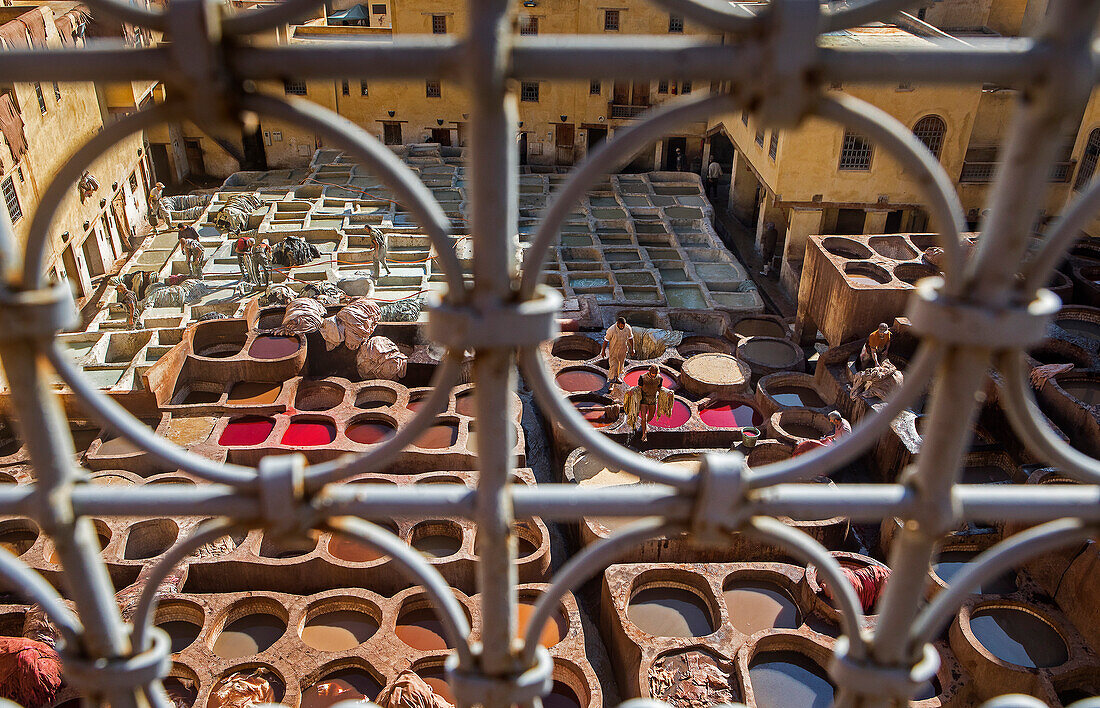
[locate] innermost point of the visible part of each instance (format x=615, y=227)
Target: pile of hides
x=877, y=382
x=186, y=207
x=277, y=295
x=303, y=315
x=129, y=596
x=352, y=325
x=243, y=689
x=695, y=679
x=402, y=310
x=380, y=358
x=651, y=343
x=325, y=292
x=233, y=218
x=294, y=251
x=632, y=404
x=140, y=282
x=212, y=315
x=187, y=291
x=410, y=691
x=30, y=672
x=868, y=582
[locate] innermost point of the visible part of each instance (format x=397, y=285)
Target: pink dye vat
x=632, y=378
x=249, y=430
x=415, y=403
x=580, y=381
x=370, y=432
x=307, y=433
x=680, y=415
x=464, y=404
x=731, y=416
x=270, y=347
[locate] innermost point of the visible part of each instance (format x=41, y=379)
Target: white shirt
x=714, y=171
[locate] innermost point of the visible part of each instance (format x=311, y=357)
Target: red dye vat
x=736, y=415
x=369, y=432
x=680, y=415
x=632, y=377
x=593, y=412
x=271, y=347
x=415, y=403
x=464, y=404
x=580, y=381
x=249, y=430
x=306, y=433
x=438, y=436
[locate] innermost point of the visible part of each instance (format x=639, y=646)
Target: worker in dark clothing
x=768, y=242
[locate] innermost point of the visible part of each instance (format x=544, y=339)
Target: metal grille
x=528, y=25
x=439, y=24
x=773, y=145
x=11, y=200
x=855, y=152
x=529, y=91
x=1088, y=161
x=930, y=130
x=981, y=315
x=292, y=87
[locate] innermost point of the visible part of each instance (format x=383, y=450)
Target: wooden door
x=564, y=139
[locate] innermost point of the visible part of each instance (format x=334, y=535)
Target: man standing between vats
x=616, y=345
x=651, y=384
x=243, y=248
x=157, y=211
x=875, y=350
x=192, y=250
x=381, y=252
x=127, y=299
x=261, y=262
x=714, y=173
x=768, y=242
x=679, y=160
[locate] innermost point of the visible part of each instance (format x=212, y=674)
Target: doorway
x=893, y=222
x=671, y=146
x=595, y=137
x=523, y=148
x=565, y=136
x=850, y=221
x=196, y=167
x=92, y=256
x=441, y=136
x=162, y=168
x=391, y=133
x=72, y=274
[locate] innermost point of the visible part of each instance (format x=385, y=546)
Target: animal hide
x=410, y=691
x=877, y=381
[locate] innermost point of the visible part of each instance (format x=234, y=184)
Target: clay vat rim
x=574, y=679
x=666, y=578
x=340, y=603
x=870, y=269
x=531, y=531
x=307, y=386
x=974, y=608
x=795, y=350
x=257, y=548
x=141, y=528
x=21, y=524
x=428, y=527
x=130, y=477
x=340, y=664
x=170, y=478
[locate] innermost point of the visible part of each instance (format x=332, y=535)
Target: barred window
x=685, y=87
x=931, y=130
x=611, y=20
x=594, y=87
x=294, y=87
x=41, y=97
x=439, y=24
x=432, y=89
x=11, y=201
x=529, y=91
x=345, y=89
x=528, y=25
x=1088, y=161
x=662, y=86
x=363, y=89
x=675, y=24
x=56, y=91
x=773, y=146
x=760, y=137
x=378, y=9
x=855, y=152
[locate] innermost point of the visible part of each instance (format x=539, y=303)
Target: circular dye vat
x=680, y=415
x=801, y=430
x=309, y=433
x=753, y=327
x=561, y=697
x=182, y=633
x=633, y=376
x=247, y=430
x=18, y=541
x=103, y=539
x=437, y=437
x=797, y=397
x=465, y=404
x=437, y=545
x=254, y=393
x=195, y=398
x=248, y=635
x=593, y=412
x=348, y=549
x=580, y=381
x=553, y=631
x=421, y=630
x=951, y=563
x=776, y=353
x=116, y=446
x=1018, y=637
x=415, y=403
x=783, y=679
x=435, y=677
x=271, y=347
x=755, y=605
x=375, y=398
x=370, y=432
x=339, y=630
x=1084, y=391
x=665, y=611
x=731, y=415
x=343, y=685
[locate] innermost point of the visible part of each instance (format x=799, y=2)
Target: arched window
x=1088, y=161
x=931, y=130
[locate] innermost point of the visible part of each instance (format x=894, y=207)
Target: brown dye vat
x=561, y=697
x=434, y=677
x=370, y=432
x=802, y=431
x=552, y=632
x=670, y=612
x=783, y=679
x=190, y=431
x=1085, y=392
x=248, y=635
x=580, y=381
x=1081, y=328
x=81, y=439
x=254, y=393
x=756, y=605
x=18, y=541
x=118, y=446
x=421, y=630
x=182, y=633
x=1018, y=637
x=752, y=327
x=194, y=398
x=350, y=550
x=465, y=404
x=438, y=436
x=272, y=347
x=797, y=396
x=437, y=545
x=339, y=630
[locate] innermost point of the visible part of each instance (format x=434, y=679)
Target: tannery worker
x=875, y=350
x=243, y=249
x=616, y=345
x=381, y=252
x=192, y=250
x=261, y=262
x=127, y=299
x=651, y=384
x=157, y=211
x=841, y=427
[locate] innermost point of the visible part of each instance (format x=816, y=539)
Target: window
x=1088, y=161
x=662, y=86
x=528, y=25
x=56, y=91
x=675, y=24
x=391, y=133
x=294, y=88
x=432, y=90
x=378, y=9
x=855, y=152
x=529, y=91
x=685, y=88
x=41, y=98
x=744, y=117
x=133, y=183
x=344, y=88
x=363, y=89
x=439, y=24
x=11, y=201
x=760, y=137
x=931, y=130
x=594, y=87
x=610, y=20
x=773, y=146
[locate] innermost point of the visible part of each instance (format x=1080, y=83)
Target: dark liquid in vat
x=272, y=347
x=370, y=432
x=670, y=612
x=757, y=605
